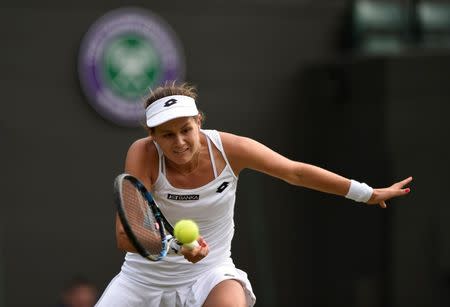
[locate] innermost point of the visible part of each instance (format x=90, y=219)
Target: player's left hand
x=379, y=196
x=197, y=253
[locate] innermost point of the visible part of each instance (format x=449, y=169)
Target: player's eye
x=187, y=129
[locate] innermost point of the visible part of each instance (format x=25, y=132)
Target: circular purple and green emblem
x=123, y=55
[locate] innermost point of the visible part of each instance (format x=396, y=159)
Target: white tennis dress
x=174, y=281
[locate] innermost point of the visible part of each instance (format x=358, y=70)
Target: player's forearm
x=319, y=179
x=124, y=244
x=122, y=239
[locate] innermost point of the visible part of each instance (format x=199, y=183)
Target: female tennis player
x=193, y=173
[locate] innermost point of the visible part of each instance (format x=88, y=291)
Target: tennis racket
x=145, y=226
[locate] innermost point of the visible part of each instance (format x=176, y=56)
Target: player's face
x=179, y=139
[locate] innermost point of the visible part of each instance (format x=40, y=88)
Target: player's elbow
x=295, y=174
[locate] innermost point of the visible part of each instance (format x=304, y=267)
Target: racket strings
x=141, y=219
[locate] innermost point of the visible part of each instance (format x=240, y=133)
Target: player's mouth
x=180, y=151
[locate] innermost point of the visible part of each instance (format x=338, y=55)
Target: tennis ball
x=186, y=231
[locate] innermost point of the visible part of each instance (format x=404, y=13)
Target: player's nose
x=179, y=140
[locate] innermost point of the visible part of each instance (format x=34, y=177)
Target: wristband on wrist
x=358, y=191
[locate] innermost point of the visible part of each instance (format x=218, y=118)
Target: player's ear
x=150, y=131
x=199, y=119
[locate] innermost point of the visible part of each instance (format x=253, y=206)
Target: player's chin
x=182, y=157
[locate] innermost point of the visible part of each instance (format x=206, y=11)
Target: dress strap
x=161, y=164
x=211, y=156
x=215, y=139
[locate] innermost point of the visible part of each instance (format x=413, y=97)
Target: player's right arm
x=121, y=238
x=139, y=162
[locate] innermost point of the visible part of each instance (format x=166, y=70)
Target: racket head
x=141, y=218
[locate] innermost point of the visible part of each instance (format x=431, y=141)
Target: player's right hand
x=197, y=253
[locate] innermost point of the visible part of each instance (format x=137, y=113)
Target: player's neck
x=186, y=169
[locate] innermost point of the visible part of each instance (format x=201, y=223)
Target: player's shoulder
x=237, y=149
x=232, y=140
x=143, y=147
x=142, y=160
x=145, y=143
x=234, y=144
x=227, y=136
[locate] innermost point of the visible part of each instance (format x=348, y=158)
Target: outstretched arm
x=247, y=153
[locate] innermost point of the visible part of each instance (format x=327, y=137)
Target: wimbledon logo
x=124, y=54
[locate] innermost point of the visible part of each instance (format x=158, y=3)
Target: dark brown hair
x=169, y=89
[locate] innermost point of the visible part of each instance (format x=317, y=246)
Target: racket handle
x=173, y=246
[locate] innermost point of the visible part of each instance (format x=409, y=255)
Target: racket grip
x=174, y=247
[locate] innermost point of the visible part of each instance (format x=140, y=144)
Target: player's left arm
x=244, y=152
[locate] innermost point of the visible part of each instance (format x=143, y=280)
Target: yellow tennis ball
x=186, y=231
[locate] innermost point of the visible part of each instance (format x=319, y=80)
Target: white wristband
x=359, y=191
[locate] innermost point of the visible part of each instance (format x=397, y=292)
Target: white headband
x=170, y=107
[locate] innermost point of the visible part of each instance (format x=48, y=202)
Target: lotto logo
x=170, y=102
x=222, y=187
